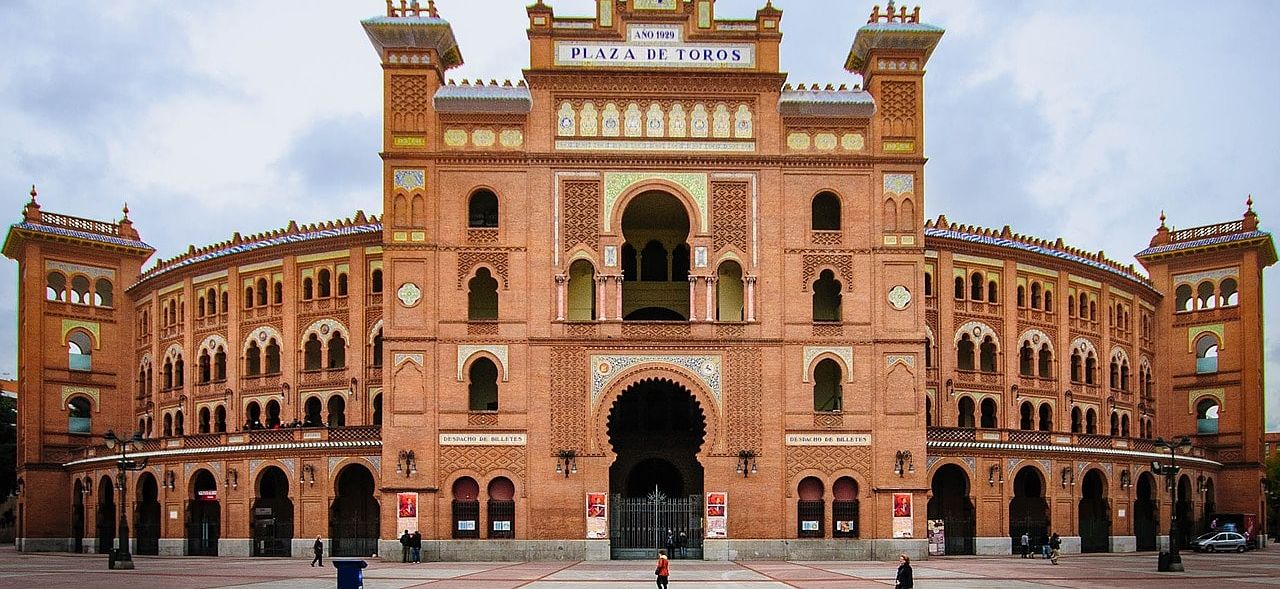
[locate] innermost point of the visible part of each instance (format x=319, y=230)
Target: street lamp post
x=1171, y=561
x=120, y=558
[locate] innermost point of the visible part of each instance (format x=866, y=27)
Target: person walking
x=416, y=544
x=405, y=546
x=904, y=580
x=1044, y=546
x=319, y=550
x=663, y=571
x=671, y=543
x=683, y=544
x=1055, y=544
x=1026, y=545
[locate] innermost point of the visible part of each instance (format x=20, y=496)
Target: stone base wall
x=993, y=546
x=804, y=549
x=1124, y=543
x=44, y=544
x=173, y=547
x=1070, y=544
x=235, y=547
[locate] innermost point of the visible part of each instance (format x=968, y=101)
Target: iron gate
x=354, y=538
x=202, y=538
x=959, y=532
x=272, y=536
x=639, y=526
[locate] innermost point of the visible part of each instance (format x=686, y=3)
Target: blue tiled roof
x=1044, y=251
x=265, y=243
x=51, y=230
x=1215, y=240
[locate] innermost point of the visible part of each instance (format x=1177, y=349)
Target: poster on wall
x=597, y=516
x=902, y=515
x=717, y=515
x=407, y=511
x=937, y=538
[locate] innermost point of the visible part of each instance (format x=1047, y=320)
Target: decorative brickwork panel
x=469, y=260
x=841, y=262
x=484, y=235
x=581, y=213
x=482, y=328
x=482, y=459
x=828, y=420
x=581, y=329
x=475, y=419
x=410, y=103
x=730, y=212
x=743, y=406
x=730, y=331
x=827, y=459
x=568, y=398
x=821, y=330
x=827, y=238
x=899, y=108
x=656, y=330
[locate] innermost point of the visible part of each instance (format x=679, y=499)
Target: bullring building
x=648, y=286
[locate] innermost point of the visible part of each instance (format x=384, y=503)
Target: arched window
x=262, y=292
x=220, y=420
x=482, y=296
x=1076, y=366
x=200, y=306
x=377, y=349
x=928, y=352
x=337, y=411
x=959, y=289
x=311, y=357
x=502, y=508
x=311, y=413
x=220, y=365
x=248, y=297
x=204, y=421
x=1205, y=298
x=811, y=508
x=337, y=352
x=826, y=297
x=55, y=287
x=179, y=373
x=1206, y=354
x=253, y=360
x=277, y=296
x=323, y=286
x=204, y=367
x=252, y=416
x=1026, y=360
x=729, y=292
x=1046, y=417
x=79, y=416
x=1228, y=293
x=103, y=292
x=827, y=392
x=964, y=415
x=1026, y=417
x=1046, y=361
x=928, y=284
x=307, y=291
x=342, y=284
x=1090, y=369
x=1071, y=306
x=80, y=290
x=987, y=361
x=1076, y=426
x=273, y=357
x=653, y=262
x=1022, y=296
x=630, y=267
x=1091, y=421
x=211, y=302
x=466, y=508
x=1124, y=375
x=179, y=424
x=225, y=301
x=273, y=412
x=1124, y=425
x=975, y=286
x=168, y=425
x=825, y=212
x=1115, y=424
x=1048, y=301
x=168, y=374
x=1093, y=310
x=989, y=413
x=377, y=409
x=482, y=209
x=993, y=292
x=375, y=281
x=582, y=291
x=79, y=352
x=1035, y=295
x=965, y=353
x=482, y=390
x=1115, y=373
x=928, y=412
x=1182, y=298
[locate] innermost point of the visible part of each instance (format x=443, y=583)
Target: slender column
x=693, y=297
x=560, y=287
x=601, y=282
x=617, y=280
x=711, y=285
x=751, y=297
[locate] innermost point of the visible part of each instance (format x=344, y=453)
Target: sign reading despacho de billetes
x=828, y=439
x=483, y=439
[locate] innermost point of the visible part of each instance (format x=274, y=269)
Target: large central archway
x=1028, y=510
x=951, y=504
x=1094, y=514
x=656, y=429
x=655, y=258
x=1144, y=512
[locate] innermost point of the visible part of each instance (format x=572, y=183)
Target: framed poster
x=717, y=515
x=937, y=538
x=597, y=516
x=902, y=515
x=406, y=512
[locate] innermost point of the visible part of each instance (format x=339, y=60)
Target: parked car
x=1219, y=541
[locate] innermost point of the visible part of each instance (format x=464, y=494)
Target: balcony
x=1054, y=438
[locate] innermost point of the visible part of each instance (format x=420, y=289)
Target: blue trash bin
x=350, y=573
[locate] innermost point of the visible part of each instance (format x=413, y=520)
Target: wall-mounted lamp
x=903, y=464
x=1067, y=394
x=1200, y=486
x=1068, y=477
x=746, y=462
x=309, y=474
x=1017, y=394
x=951, y=388
x=354, y=383
x=995, y=474
x=1126, y=479
x=566, y=462
x=17, y=489
x=1111, y=401
x=88, y=485
x=1142, y=408
x=233, y=478
x=406, y=464
x=170, y=480
x=284, y=392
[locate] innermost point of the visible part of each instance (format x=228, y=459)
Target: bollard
x=350, y=573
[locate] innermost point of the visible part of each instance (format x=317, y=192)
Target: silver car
x=1219, y=541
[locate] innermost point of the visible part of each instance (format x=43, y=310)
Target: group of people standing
x=411, y=546
x=1049, y=546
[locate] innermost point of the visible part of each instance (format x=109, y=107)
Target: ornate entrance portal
x=656, y=429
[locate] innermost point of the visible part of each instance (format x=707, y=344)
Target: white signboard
x=668, y=55
x=828, y=439
x=483, y=439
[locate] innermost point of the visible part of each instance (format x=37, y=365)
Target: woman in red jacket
x=663, y=570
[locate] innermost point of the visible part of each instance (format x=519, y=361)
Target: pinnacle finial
x=1162, y=218
x=1248, y=203
x=431, y=9
x=126, y=211
x=33, y=193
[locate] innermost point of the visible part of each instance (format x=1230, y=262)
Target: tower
x=1209, y=374
x=74, y=327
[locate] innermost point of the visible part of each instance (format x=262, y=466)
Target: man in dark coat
x=904, y=580
x=417, y=546
x=319, y=550
x=405, y=546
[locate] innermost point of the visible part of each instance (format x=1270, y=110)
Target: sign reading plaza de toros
x=653, y=46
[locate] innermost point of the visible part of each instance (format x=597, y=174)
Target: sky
x=1081, y=120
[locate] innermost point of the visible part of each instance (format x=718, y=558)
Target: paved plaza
x=1130, y=570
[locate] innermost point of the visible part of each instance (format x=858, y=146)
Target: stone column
x=617, y=280
x=602, y=281
x=711, y=298
x=560, y=286
x=693, y=298
x=751, y=297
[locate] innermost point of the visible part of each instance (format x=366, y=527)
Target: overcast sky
x=1075, y=119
